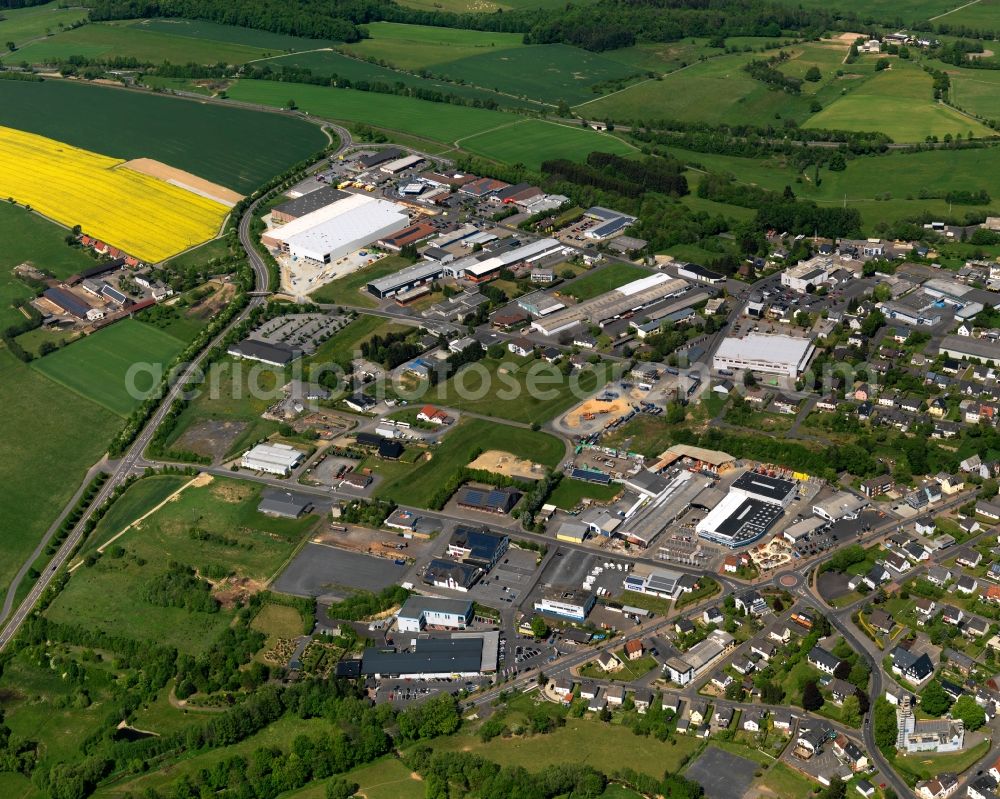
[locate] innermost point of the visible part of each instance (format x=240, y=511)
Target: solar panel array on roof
x=310, y=202
x=591, y=476
x=749, y=521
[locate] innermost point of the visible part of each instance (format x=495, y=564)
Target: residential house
x=754, y=719
x=598, y=702
x=881, y=621
x=925, y=525
x=751, y=602
x=938, y=575
x=876, y=486
x=697, y=711
x=952, y=615
x=823, y=660
x=615, y=695
x=723, y=717
x=896, y=563
x=967, y=584
x=712, y=615
x=642, y=700
x=916, y=669
x=521, y=346
x=850, y=753
x=968, y=557
x=633, y=649
x=976, y=626
x=940, y=787
x=982, y=787
x=765, y=649
x=783, y=720
x=779, y=632
x=865, y=788
x=876, y=576
x=925, y=607
x=840, y=689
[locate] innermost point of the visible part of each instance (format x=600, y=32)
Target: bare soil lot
x=178, y=177
x=211, y=437
x=499, y=462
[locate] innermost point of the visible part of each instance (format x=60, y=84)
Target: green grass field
x=383, y=779
x=99, y=40
x=21, y=25
x=549, y=72
x=898, y=179
x=487, y=133
x=522, y=390
x=603, y=280
x=416, y=484
x=17, y=786
x=976, y=91
x=329, y=63
x=984, y=14
x=342, y=346
x=51, y=437
x=235, y=147
x=416, y=47
x=481, y=6
x=226, y=508
x=29, y=238
x=569, y=493
x=98, y=367
x=231, y=34
x=736, y=97
x=906, y=109
x=437, y=121
x=587, y=740
x=350, y=290
x=533, y=141
x=139, y=499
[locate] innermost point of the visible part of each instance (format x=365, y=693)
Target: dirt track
x=185, y=180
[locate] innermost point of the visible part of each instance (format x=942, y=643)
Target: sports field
x=601, y=281
x=417, y=47
x=98, y=367
x=51, y=436
x=234, y=147
x=907, y=110
x=237, y=540
x=28, y=238
x=417, y=485
x=146, y=217
x=533, y=141
x=520, y=389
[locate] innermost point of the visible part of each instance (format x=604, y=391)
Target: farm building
x=277, y=459
x=338, y=229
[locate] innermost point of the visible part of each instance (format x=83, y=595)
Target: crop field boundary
x=946, y=13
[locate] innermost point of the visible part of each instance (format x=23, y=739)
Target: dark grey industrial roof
x=429, y=656
x=380, y=157
x=772, y=488
x=500, y=500
x=483, y=545
x=264, y=351
x=749, y=521
x=310, y=202
x=284, y=503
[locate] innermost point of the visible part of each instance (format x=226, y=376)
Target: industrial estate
x=411, y=400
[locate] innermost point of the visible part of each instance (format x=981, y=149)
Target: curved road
x=133, y=460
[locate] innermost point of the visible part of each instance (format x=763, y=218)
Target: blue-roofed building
x=478, y=547
x=591, y=476
x=68, y=301
x=490, y=500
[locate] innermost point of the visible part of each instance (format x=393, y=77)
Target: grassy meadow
x=98, y=366
x=51, y=437
x=976, y=91
x=350, y=290
x=533, y=141
x=240, y=541
x=603, y=280
x=21, y=25
x=416, y=47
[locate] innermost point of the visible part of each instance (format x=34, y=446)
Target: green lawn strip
x=417, y=484
x=653, y=604
x=784, y=782
x=235, y=147
x=517, y=389
x=603, y=280
x=604, y=746
x=98, y=366
x=51, y=436
x=239, y=540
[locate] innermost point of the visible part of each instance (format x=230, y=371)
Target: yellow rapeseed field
x=145, y=217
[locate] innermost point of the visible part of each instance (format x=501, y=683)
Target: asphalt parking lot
x=721, y=774
x=320, y=570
